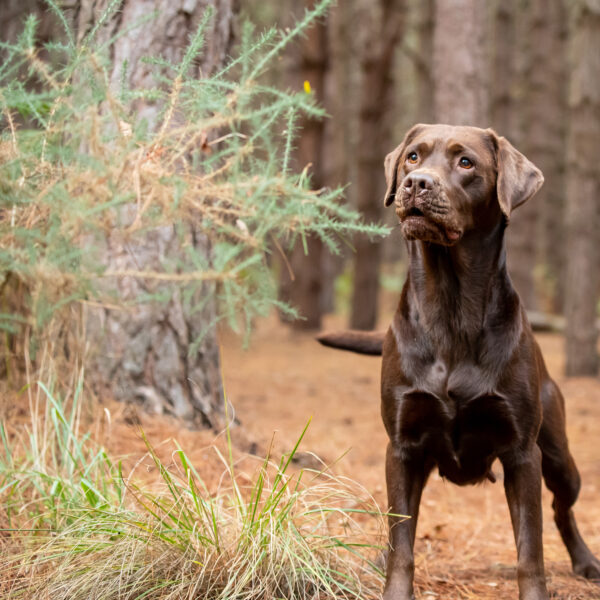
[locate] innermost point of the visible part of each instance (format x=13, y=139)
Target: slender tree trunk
x=339, y=103
x=303, y=287
x=504, y=68
x=513, y=63
x=544, y=114
x=583, y=189
x=529, y=109
x=459, y=64
x=412, y=103
x=148, y=352
x=383, y=30
x=425, y=29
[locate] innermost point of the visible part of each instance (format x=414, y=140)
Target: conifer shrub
x=78, y=162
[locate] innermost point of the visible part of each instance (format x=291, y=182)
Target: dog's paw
x=589, y=569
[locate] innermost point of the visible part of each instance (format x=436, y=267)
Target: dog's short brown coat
x=463, y=379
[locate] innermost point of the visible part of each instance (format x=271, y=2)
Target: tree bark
x=513, y=63
x=583, y=189
x=424, y=70
x=150, y=351
x=340, y=102
x=504, y=65
x=165, y=36
x=303, y=287
x=382, y=27
x=459, y=63
x=529, y=109
x=545, y=134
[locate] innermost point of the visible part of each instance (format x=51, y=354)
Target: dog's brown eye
x=465, y=163
x=412, y=158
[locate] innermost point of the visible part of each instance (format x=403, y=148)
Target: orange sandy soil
x=464, y=546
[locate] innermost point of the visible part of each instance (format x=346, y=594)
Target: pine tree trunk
x=382, y=27
x=148, y=353
x=303, y=286
x=583, y=189
x=459, y=63
x=512, y=68
x=339, y=103
x=425, y=28
x=544, y=141
x=504, y=68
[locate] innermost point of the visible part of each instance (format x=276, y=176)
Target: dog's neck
x=457, y=290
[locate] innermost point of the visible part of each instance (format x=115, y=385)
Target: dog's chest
x=454, y=415
x=456, y=384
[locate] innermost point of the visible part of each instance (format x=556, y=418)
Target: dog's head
x=446, y=180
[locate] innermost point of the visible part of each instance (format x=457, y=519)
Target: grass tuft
x=76, y=527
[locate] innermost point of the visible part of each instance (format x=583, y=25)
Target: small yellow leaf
x=307, y=88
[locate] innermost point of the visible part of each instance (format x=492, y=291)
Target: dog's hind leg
x=562, y=479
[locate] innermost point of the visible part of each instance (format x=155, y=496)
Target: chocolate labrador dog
x=463, y=380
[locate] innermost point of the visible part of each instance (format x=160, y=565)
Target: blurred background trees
x=582, y=188
x=528, y=68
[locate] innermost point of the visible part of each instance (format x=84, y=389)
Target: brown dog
x=463, y=381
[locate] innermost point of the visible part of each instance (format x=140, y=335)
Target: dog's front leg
x=523, y=486
x=405, y=480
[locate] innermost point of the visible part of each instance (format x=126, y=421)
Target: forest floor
x=465, y=547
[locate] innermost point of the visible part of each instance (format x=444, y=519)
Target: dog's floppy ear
x=518, y=178
x=391, y=165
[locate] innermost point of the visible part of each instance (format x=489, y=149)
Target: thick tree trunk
x=583, y=189
x=167, y=35
x=382, y=28
x=459, y=63
x=150, y=352
x=303, y=287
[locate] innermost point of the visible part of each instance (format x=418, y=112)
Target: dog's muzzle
x=424, y=210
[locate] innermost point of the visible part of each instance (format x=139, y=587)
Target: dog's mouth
x=416, y=225
x=414, y=212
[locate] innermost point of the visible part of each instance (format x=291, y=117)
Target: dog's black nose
x=420, y=181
